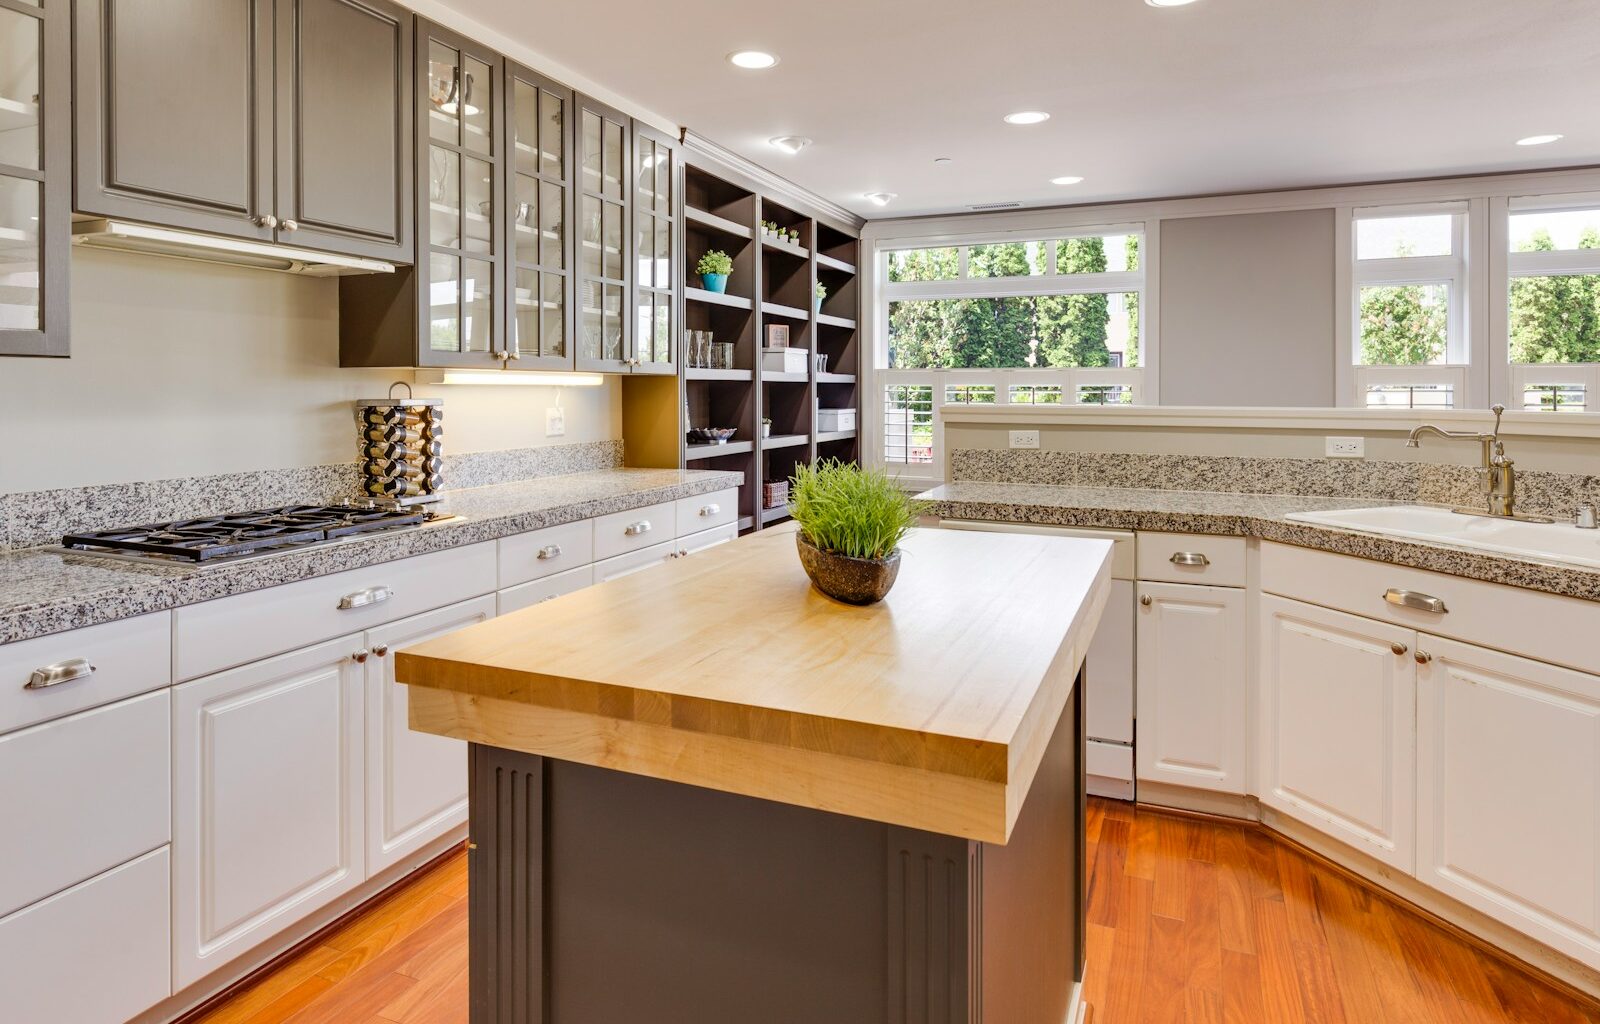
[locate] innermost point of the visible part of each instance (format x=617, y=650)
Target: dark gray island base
x=602, y=897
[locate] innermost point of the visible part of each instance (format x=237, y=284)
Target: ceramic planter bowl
x=851, y=580
x=715, y=282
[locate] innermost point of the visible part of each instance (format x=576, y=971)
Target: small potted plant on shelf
x=851, y=523
x=766, y=427
x=714, y=268
x=794, y=236
x=821, y=293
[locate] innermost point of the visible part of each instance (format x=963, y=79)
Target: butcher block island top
x=727, y=670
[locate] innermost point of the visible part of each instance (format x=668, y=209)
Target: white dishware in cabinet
x=267, y=808
x=1336, y=725
x=1191, y=686
x=1508, y=790
x=416, y=782
x=525, y=595
x=82, y=794
x=97, y=953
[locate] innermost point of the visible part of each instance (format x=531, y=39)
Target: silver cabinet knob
x=710, y=510
x=638, y=529
x=1398, y=649
x=266, y=220
x=360, y=657
x=1145, y=600
x=380, y=650
x=61, y=672
x=549, y=551
x=289, y=225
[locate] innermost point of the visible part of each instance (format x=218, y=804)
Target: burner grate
x=245, y=533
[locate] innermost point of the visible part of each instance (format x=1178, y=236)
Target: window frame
x=1518, y=376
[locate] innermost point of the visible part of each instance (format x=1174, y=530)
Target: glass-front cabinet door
x=604, y=190
x=657, y=245
x=35, y=169
x=461, y=257
x=537, y=214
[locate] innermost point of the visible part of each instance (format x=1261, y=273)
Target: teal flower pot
x=715, y=282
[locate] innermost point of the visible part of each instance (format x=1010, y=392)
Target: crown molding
x=770, y=182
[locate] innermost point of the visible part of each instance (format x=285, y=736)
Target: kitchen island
x=707, y=793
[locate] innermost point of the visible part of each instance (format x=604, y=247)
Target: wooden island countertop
x=726, y=670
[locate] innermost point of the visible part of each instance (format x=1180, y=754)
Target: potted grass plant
x=714, y=268
x=821, y=293
x=851, y=523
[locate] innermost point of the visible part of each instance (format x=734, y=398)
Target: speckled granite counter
x=47, y=590
x=1245, y=515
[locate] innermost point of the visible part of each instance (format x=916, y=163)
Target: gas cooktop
x=221, y=538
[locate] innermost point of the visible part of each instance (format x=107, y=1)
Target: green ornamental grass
x=851, y=511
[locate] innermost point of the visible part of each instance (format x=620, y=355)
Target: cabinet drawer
x=129, y=657
x=703, y=511
x=515, y=598
x=1122, y=542
x=532, y=556
x=248, y=627
x=1548, y=627
x=100, y=951
x=83, y=794
x=637, y=528
x=1191, y=558
x=1108, y=760
x=694, y=542
x=633, y=561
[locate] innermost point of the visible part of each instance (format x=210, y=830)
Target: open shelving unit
x=773, y=283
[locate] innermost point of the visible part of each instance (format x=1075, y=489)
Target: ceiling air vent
x=1013, y=205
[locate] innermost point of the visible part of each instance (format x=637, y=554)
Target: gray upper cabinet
x=602, y=142
x=279, y=120
x=657, y=249
x=344, y=127
x=537, y=213
x=35, y=188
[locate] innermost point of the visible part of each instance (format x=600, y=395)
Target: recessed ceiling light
x=1540, y=140
x=1169, y=3
x=1027, y=117
x=1069, y=179
x=879, y=198
x=752, y=60
x=790, y=144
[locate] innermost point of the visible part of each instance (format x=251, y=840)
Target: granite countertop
x=1247, y=515
x=46, y=590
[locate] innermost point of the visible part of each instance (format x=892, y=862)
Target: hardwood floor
x=1190, y=922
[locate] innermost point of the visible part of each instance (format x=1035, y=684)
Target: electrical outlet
x=555, y=422
x=1024, y=439
x=1346, y=448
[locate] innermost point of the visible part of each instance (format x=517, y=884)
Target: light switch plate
x=555, y=422
x=1024, y=439
x=1346, y=448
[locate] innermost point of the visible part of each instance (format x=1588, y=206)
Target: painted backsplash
x=1538, y=492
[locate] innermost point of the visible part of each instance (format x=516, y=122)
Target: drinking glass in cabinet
x=478, y=179
x=591, y=320
x=524, y=215
x=477, y=305
x=612, y=322
x=19, y=254
x=444, y=307
x=21, y=42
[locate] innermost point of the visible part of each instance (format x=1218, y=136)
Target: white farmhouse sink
x=1558, y=542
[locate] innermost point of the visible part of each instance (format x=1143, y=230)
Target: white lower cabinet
x=1191, y=686
x=1508, y=790
x=634, y=561
x=705, y=539
x=267, y=804
x=1336, y=725
x=416, y=782
x=97, y=953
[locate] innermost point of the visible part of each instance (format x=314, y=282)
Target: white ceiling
x=1220, y=96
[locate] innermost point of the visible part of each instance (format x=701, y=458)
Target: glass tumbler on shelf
x=724, y=355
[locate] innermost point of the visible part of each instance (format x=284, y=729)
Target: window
x=1553, y=304
x=1039, y=321
x=1409, y=283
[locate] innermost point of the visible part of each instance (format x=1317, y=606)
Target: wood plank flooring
x=1190, y=922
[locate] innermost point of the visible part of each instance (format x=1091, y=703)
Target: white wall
x=185, y=369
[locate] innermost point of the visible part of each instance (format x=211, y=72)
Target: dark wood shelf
x=833, y=321
x=711, y=451
x=696, y=373
x=783, y=441
x=835, y=435
x=836, y=378
x=716, y=298
x=824, y=260
x=774, y=377
x=714, y=223
x=787, y=312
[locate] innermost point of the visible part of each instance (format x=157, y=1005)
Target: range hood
x=127, y=236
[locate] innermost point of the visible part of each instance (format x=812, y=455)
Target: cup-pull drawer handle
x=637, y=529
x=1189, y=558
x=60, y=672
x=1414, y=599
x=550, y=551
x=710, y=510
x=362, y=598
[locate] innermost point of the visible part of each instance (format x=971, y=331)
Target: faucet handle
x=1499, y=411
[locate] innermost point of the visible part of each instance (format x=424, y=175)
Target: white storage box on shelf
x=785, y=360
x=836, y=419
